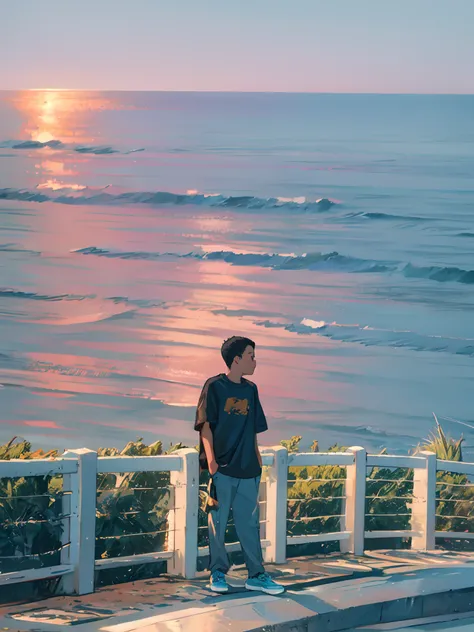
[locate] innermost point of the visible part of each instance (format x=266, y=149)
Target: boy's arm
x=208, y=443
x=260, y=424
x=259, y=456
x=260, y=419
x=207, y=412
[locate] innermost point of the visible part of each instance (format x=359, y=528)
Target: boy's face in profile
x=247, y=362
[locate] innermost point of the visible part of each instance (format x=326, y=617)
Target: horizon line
x=236, y=92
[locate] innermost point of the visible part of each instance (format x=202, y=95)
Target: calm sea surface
x=139, y=230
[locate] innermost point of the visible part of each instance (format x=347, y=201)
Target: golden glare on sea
x=60, y=115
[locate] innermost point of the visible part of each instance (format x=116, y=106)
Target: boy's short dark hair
x=233, y=347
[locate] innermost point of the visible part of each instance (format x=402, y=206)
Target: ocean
x=139, y=230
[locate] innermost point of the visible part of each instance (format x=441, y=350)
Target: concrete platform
x=461, y=622
x=326, y=593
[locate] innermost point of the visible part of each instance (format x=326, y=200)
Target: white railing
x=422, y=519
x=454, y=468
x=80, y=468
x=71, y=471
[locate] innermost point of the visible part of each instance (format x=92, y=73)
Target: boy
x=228, y=417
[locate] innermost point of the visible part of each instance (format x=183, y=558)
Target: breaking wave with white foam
x=371, y=337
x=329, y=262
x=87, y=196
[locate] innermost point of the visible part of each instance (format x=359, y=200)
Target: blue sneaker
x=264, y=583
x=218, y=582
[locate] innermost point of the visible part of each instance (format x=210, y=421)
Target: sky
x=375, y=46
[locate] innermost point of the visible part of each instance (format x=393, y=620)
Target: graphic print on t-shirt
x=236, y=406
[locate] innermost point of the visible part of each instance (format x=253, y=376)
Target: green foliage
x=444, y=447
x=132, y=508
x=292, y=445
x=315, y=499
x=30, y=514
x=388, y=494
x=455, y=493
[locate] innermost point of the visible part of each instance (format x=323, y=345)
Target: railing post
x=276, y=514
x=79, y=531
x=423, y=512
x=354, y=513
x=184, y=517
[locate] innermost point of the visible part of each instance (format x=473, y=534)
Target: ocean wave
x=311, y=261
x=57, y=144
x=33, y=144
x=14, y=248
x=10, y=293
x=370, y=337
x=378, y=215
x=143, y=303
x=160, y=198
x=329, y=262
x=362, y=430
x=440, y=274
x=96, y=150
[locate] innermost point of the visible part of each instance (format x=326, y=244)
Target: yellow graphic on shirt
x=236, y=406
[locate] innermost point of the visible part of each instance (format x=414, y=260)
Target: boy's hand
x=213, y=467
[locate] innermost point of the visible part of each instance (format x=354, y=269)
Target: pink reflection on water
x=54, y=185
x=59, y=114
x=64, y=116
x=39, y=423
x=54, y=394
x=167, y=427
x=139, y=354
x=56, y=167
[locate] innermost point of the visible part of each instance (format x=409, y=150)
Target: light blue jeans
x=240, y=494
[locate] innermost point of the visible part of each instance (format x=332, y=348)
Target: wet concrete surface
x=330, y=591
x=461, y=622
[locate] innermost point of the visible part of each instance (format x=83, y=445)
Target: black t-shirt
x=235, y=416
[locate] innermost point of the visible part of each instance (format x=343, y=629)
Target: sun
x=43, y=137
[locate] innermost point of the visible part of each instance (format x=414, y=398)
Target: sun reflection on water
x=59, y=115
x=61, y=120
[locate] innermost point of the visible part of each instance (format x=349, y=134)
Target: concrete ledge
x=395, y=593
x=427, y=600
x=399, y=610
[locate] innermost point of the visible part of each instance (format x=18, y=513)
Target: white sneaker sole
x=268, y=591
x=221, y=591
